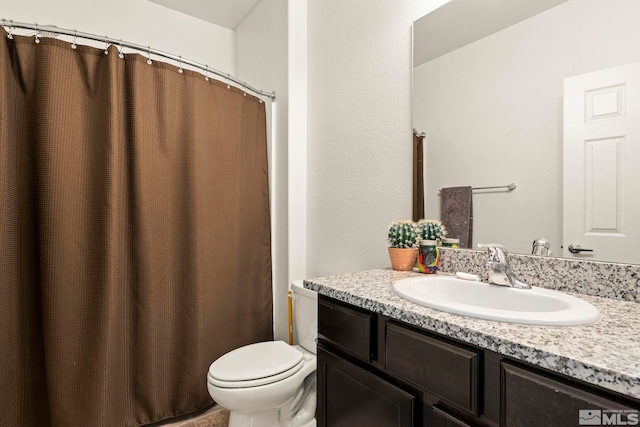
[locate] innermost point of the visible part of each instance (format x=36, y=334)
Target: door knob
x=575, y=248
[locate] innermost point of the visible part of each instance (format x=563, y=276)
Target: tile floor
x=216, y=416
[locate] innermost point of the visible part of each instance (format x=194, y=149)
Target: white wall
x=137, y=21
x=298, y=132
x=359, y=135
x=492, y=112
x=261, y=59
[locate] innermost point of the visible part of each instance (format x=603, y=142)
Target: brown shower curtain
x=134, y=235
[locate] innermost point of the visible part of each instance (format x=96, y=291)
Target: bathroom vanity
x=384, y=361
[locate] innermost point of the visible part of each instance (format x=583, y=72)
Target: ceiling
x=460, y=22
x=225, y=13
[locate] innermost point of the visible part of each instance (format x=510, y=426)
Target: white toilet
x=272, y=384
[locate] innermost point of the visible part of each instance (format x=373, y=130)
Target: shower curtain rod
x=42, y=30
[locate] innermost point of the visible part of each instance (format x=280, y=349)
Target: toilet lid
x=257, y=382
x=255, y=361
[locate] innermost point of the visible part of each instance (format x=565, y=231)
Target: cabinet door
x=350, y=396
x=533, y=400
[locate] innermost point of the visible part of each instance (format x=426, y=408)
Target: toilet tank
x=305, y=316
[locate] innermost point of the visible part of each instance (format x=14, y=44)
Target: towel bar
x=511, y=187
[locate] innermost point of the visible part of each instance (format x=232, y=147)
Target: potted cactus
x=430, y=229
x=403, y=247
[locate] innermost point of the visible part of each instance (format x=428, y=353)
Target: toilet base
x=260, y=420
x=263, y=419
x=298, y=412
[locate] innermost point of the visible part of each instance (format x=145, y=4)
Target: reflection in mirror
x=492, y=105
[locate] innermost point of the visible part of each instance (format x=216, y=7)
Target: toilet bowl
x=270, y=384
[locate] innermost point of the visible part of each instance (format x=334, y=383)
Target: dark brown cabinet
x=418, y=359
x=376, y=371
x=348, y=328
x=351, y=396
x=531, y=400
x=442, y=419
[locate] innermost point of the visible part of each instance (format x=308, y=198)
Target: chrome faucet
x=500, y=272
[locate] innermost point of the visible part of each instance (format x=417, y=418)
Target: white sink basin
x=535, y=306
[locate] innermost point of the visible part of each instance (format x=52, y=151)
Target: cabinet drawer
x=531, y=399
x=347, y=328
x=445, y=370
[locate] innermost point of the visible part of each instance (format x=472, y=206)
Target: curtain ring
x=120, y=54
x=206, y=72
x=37, y=33
x=10, y=26
x=180, y=64
x=149, y=55
x=75, y=35
x=106, y=45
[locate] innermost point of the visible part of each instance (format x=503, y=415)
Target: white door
x=601, y=165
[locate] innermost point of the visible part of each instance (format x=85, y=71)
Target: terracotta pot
x=403, y=259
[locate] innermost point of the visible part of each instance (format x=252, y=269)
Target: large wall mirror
x=489, y=81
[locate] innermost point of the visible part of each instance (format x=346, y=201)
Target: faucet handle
x=499, y=270
x=497, y=252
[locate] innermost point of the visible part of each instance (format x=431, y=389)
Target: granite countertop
x=606, y=353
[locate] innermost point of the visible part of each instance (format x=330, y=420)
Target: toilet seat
x=256, y=364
